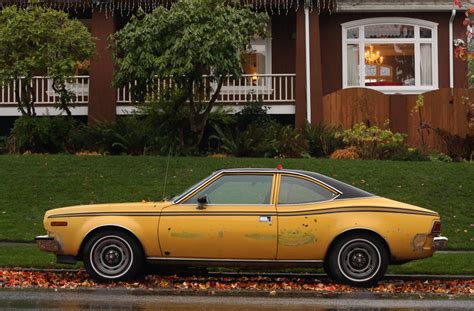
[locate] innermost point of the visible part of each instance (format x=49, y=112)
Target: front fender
x=72, y=236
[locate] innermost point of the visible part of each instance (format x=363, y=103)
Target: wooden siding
x=444, y=108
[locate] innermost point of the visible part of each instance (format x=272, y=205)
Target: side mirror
x=202, y=202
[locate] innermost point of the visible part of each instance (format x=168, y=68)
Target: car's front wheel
x=112, y=255
x=359, y=260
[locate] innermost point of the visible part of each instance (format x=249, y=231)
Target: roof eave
x=342, y=8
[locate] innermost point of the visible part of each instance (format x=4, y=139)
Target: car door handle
x=265, y=219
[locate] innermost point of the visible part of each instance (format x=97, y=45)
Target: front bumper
x=47, y=244
x=440, y=242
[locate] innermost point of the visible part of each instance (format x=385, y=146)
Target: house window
x=392, y=55
x=257, y=59
x=256, y=70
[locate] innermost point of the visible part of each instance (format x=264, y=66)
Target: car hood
x=108, y=208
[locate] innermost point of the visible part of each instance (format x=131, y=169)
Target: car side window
x=295, y=190
x=237, y=189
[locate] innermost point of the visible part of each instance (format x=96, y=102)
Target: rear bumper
x=47, y=244
x=440, y=242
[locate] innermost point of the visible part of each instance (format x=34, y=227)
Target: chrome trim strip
x=235, y=260
x=314, y=179
x=250, y=171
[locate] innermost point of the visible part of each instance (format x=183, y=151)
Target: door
x=238, y=222
x=299, y=230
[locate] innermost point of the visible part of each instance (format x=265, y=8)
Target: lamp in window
x=373, y=58
x=254, y=79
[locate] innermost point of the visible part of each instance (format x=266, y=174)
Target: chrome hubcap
x=359, y=260
x=111, y=256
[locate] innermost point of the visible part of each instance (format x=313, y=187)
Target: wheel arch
x=353, y=231
x=102, y=228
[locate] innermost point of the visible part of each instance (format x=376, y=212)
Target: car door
x=298, y=229
x=238, y=222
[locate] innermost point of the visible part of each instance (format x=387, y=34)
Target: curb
x=357, y=294
x=402, y=277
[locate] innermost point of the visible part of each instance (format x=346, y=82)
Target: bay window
x=392, y=55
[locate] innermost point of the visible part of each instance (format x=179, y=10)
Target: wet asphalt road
x=128, y=300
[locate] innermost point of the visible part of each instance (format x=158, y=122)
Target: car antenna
x=166, y=174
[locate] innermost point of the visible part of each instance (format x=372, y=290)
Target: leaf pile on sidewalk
x=80, y=279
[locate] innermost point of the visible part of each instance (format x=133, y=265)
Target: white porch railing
x=269, y=88
x=43, y=90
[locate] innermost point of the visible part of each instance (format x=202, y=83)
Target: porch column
x=316, y=90
x=300, y=70
x=102, y=96
x=316, y=70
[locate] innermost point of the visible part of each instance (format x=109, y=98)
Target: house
x=343, y=62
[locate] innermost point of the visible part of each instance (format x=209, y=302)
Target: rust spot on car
x=186, y=235
x=295, y=238
x=261, y=236
x=418, y=241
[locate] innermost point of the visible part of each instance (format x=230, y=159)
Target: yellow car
x=249, y=217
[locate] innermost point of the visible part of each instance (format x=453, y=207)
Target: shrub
x=373, y=142
x=3, y=144
x=322, y=140
x=458, y=147
x=168, y=126
x=248, y=143
x=284, y=141
x=408, y=154
x=440, y=157
x=349, y=153
x=255, y=112
x=274, y=140
x=41, y=134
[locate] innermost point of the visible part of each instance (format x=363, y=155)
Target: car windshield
x=178, y=196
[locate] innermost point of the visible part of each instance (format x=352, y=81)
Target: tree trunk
x=19, y=100
x=198, y=121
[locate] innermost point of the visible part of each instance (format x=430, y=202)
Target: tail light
x=436, y=227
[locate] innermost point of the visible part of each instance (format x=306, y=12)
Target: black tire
x=327, y=270
x=358, y=260
x=113, y=255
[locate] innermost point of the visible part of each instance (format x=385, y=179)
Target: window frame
x=249, y=88
x=210, y=181
x=361, y=42
x=336, y=192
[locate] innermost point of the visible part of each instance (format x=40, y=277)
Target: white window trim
x=362, y=41
x=262, y=89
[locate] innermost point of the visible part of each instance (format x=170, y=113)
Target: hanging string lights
x=127, y=7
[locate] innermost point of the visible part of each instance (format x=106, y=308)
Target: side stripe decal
x=345, y=209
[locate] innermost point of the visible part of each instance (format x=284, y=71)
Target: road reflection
x=170, y=306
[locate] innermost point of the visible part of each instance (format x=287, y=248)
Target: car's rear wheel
x=359, y=260
x=113, y=255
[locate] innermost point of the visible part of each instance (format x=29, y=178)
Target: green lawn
x=29, y=185
x=27, y=256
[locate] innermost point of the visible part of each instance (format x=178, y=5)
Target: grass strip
x=30, y=185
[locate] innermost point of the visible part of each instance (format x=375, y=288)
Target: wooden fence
x=447, y=109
